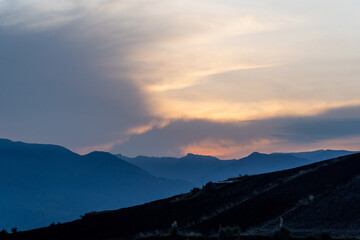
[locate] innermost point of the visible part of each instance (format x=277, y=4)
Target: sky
x=167, y=78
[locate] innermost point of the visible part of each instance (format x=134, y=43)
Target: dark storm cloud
x=332, y=124
x=52, y=90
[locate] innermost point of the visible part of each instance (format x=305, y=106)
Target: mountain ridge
x=251, y=203
x=68, y=184
x=199, y=169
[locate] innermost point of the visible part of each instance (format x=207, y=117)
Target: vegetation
x=228, y=232
x=174, y=233
x=325, y=236
x=86, y=215
x=282, y=234
x=210, y=186
x=3, y=234
x=195, y=190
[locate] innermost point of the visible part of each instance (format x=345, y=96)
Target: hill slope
x=253, y=203
x=40, y=184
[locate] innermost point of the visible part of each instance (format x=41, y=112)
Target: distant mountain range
x=199, y=169
x=41, y=184
x=313, y=202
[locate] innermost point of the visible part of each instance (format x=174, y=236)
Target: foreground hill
x=200, y=169
x=317, y=198
x=41, y=184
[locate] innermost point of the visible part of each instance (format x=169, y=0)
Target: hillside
x=199, y=169
x=318, y=194
x=41, y=184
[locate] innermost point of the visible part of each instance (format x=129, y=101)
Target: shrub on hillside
x=89, y=214
x=325, y=236
x=195, y=190
x=228, y=232
x=174, y=233
x=210, y=186
x=52, y=224
x=3, y=234
x=282, y=234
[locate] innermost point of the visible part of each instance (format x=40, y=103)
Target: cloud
x=81, y=73
x=235, y=139
x=37, y=15
x=293, y=89
x=332, y=124
x=227, y=149
x=54, y=90
x=142, y=77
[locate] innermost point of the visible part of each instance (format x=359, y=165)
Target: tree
x=3, y=234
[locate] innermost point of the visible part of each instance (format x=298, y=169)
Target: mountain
x=322, y=197
x=255, y=163
x=190, y=167
x=41, y=184
x=200, y=169
x=320, y=155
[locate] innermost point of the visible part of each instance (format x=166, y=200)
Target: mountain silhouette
x=40, y=184
x=319, y=198
x=200, y=169
x=189, y=168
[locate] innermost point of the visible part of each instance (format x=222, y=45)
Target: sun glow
x=226, y=149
